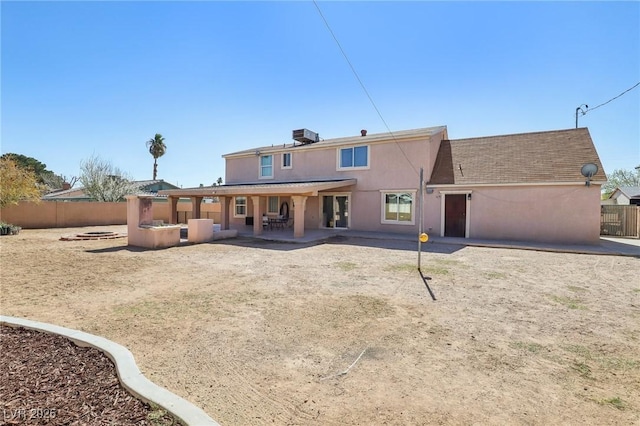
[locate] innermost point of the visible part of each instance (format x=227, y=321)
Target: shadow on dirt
x=389, y=244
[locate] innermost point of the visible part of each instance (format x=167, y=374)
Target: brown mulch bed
x=48, y=379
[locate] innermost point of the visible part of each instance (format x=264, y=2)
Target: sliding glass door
x=335, y=211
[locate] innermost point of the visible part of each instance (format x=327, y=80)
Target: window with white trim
x=286, y=160
x=273, y=204
x=240, y=206
x=266, y=166
x=353, y=157
x=397, y=207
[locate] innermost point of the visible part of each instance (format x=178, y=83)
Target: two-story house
x=366, y=182
x=526, y=186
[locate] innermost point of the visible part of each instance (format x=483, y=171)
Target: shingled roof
x=540, y=157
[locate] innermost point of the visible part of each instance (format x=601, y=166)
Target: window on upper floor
x=397, y=207
x=240, y=206
x=266, y=166
x=356, y=157
x=286, y=160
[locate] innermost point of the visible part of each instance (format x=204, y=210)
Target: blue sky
x=101, y=78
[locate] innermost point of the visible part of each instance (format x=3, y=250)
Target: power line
x=616, y=97
x=362, y=85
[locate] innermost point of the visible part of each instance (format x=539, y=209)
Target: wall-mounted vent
x=305, y=136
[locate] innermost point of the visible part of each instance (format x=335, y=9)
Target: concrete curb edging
x=129, y=374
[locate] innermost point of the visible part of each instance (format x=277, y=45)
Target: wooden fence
x=620, y=221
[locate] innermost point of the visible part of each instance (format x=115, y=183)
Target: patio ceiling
x=310, y=188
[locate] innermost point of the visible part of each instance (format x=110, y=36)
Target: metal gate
x=620, y=221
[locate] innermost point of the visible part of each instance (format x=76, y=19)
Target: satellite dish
x=588, y=170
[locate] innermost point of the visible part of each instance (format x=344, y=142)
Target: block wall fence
x=68, y=214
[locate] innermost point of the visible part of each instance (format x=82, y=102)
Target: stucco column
x=299, y=202
x=224, y=212
x=195, y=207
x=257, y=216
x=173, y=210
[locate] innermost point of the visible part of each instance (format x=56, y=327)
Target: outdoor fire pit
x=93, y=235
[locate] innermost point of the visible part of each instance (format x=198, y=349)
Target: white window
x=266, y=166
x=397, y=207
x=273, y=205
x=286, y=160
x=353, y=158
x=240, y=206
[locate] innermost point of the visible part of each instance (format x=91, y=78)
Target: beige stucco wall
x=61, y=214
x=553, y=213
x=140, y=233
x=558, y=214
x=392, y=166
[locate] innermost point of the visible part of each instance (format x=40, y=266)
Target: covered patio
x=258, y=193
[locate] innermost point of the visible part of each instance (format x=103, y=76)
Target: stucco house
x=519, y=187
x=525, y=186
x=625, y=195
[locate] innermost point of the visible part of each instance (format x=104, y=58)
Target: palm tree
x=157, y=148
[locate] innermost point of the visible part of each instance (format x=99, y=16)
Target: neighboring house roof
x=540, y=157
x=350, y=140
x=72, y=192
x=631, y=192
x=146, y=187
x=148, y=183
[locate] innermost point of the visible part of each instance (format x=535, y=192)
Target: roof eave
x=256, y=190
x=351, y=140
x=509, y=184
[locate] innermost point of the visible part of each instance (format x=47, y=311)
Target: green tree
x=104, y=182
x=620, y=177
x=49, y=179
x=157, y=149
x=37, y=167
x=17, y=183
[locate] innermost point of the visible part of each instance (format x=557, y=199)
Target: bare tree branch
x=104, y=182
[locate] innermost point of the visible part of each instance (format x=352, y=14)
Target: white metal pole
x=420, y=197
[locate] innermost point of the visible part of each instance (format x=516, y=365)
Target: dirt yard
x=345, y=332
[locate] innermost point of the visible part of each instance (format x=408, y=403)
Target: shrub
x=9, y=229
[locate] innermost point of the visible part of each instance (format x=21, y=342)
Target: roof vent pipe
x=363, y=132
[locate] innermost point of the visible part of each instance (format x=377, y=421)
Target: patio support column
x=173, y=210
x=257, y=216
x=195, y=207
x=299, y=202
x=224, y=212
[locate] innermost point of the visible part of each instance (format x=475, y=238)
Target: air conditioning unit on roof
x=305, y=136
